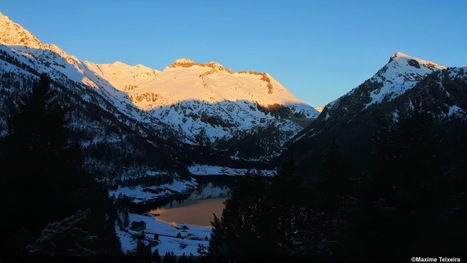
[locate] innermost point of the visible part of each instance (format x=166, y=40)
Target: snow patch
x=220, y=170
x=142, y=194
x=455, y=111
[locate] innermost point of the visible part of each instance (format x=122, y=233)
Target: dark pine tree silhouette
x=238, y=235
x=41, y=166
x=334, y=182
x=263, y=220
x=406, y=207
x=43, y=180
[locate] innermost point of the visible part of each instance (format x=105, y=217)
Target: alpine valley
x=147, y=134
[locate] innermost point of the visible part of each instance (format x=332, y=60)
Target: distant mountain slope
x=122, y=76
x=212, y=105
x=405, y=84
x=212, y=83
x=320, y=109
x=209, y=103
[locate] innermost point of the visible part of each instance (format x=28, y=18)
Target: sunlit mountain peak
x=12, y=33
x=413, y=61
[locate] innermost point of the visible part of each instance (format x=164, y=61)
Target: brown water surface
x=192, y=212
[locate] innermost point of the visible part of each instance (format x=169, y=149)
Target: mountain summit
x=211, y=82
x=413, y=61
x=401, y=73
x=12, y=33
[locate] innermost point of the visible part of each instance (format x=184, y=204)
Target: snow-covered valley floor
x=181, y=239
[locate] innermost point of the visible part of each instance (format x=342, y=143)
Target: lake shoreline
x=179, y=238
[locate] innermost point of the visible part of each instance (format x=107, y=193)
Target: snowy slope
x=212, y=83
x=400, y=74
x=210, y=100
x=205, y=102
x=59, y=65
x=122, y=76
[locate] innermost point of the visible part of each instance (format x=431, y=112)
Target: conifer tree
x=46, y=182
x=262, y=220
x=406, y=205
x=334, y=180
x=238, y=235
x=42, y=166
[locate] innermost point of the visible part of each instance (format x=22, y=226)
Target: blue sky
x=317, y=50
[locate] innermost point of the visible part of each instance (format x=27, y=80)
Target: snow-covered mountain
x=400, y=74
x=190, y=113
x=207, y=102
x=401, y=87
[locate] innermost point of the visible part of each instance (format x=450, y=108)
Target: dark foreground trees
x=412, y=203
x=264, y=220
x=49, y=205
